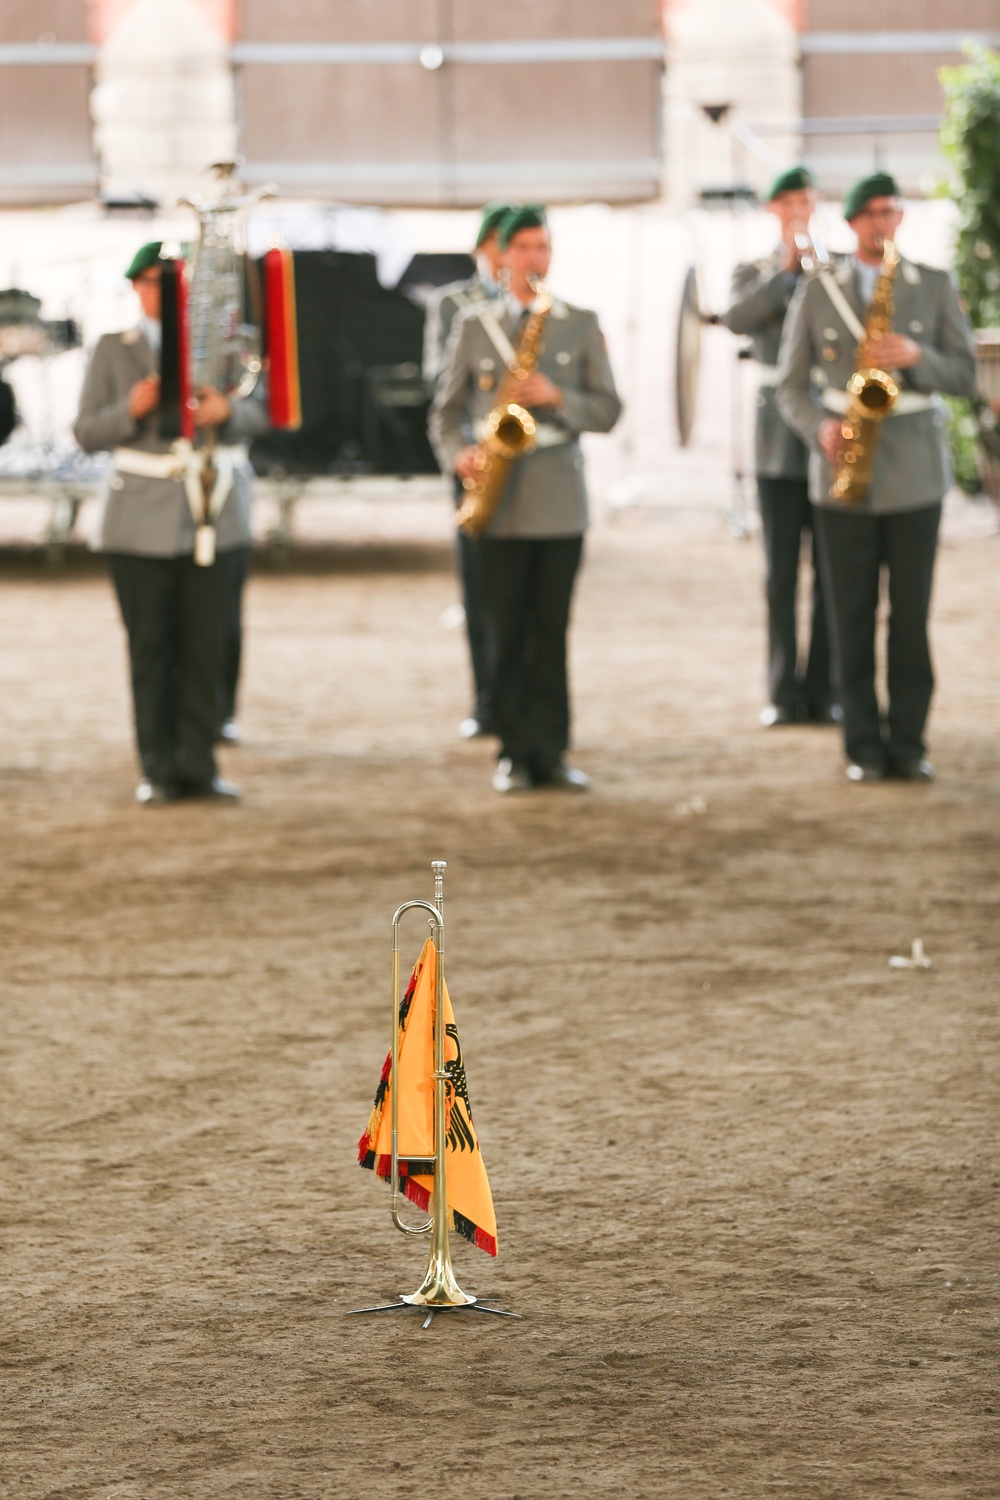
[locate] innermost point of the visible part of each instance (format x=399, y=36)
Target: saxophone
x=871, y=395
x=510, y=428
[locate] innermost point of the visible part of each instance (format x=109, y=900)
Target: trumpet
x=439, y=1287
x=813, y=254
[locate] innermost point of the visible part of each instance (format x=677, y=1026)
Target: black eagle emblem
x=460, y=1136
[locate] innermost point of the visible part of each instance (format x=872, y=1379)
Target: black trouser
x=853, y=550
x=237, y=572
x=173, y=612
x=470, y=575
x=785, y=514
x=528, y=588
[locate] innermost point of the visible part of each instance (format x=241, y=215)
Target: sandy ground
x=746, y=1176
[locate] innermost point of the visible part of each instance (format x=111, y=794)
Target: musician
x=442, y=308
x=531, y=550
x=895, y=527
x=761, y=293
x=171, y=606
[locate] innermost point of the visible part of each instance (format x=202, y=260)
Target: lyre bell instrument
x=208, y=337
x=510, y=427
x=224, y=344
x=871, y=394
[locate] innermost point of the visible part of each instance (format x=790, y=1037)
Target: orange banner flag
x=470, y=1202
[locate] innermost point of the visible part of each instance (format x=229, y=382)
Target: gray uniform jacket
x=912, y=466
x=152, y=517
x=545, y=494
x=442, y=307
x=760, y=297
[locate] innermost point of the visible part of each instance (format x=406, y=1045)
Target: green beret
x=147, y=255
x=794, y=180
x=493, y=214
x=876, y=185
x=521, y=216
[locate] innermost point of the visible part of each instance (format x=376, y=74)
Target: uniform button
x=829, y=333
x=118, y=483
x=916, y=326
x=562, y=358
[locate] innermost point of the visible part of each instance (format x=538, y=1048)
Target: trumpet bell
x=439, y=1287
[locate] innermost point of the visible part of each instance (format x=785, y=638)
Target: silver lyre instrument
x=225, y=344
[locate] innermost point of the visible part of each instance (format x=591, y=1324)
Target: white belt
x=906, y=402
x=184, y=464
x=172, y=465
x=547, y=434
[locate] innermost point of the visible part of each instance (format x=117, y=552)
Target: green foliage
x=963, y=434
x=971, y=140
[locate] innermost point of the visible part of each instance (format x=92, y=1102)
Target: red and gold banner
x=282, y=348
x=470, y=1201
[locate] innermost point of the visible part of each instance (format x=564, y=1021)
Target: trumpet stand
x=439, y=1291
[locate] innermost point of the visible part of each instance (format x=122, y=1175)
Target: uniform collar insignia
x=131, y=336
x=558, y=309
x=910, y=272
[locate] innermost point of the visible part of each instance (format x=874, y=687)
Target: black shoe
x=154, y=794
x=772, y=717
x=229, y=732
x=866, y=770
x=911, y=770
x=217, y=790
x=825, y=713
x=512, y=776
x=564, y=778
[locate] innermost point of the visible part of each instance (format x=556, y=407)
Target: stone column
x=744, y=54
x=164, y=104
